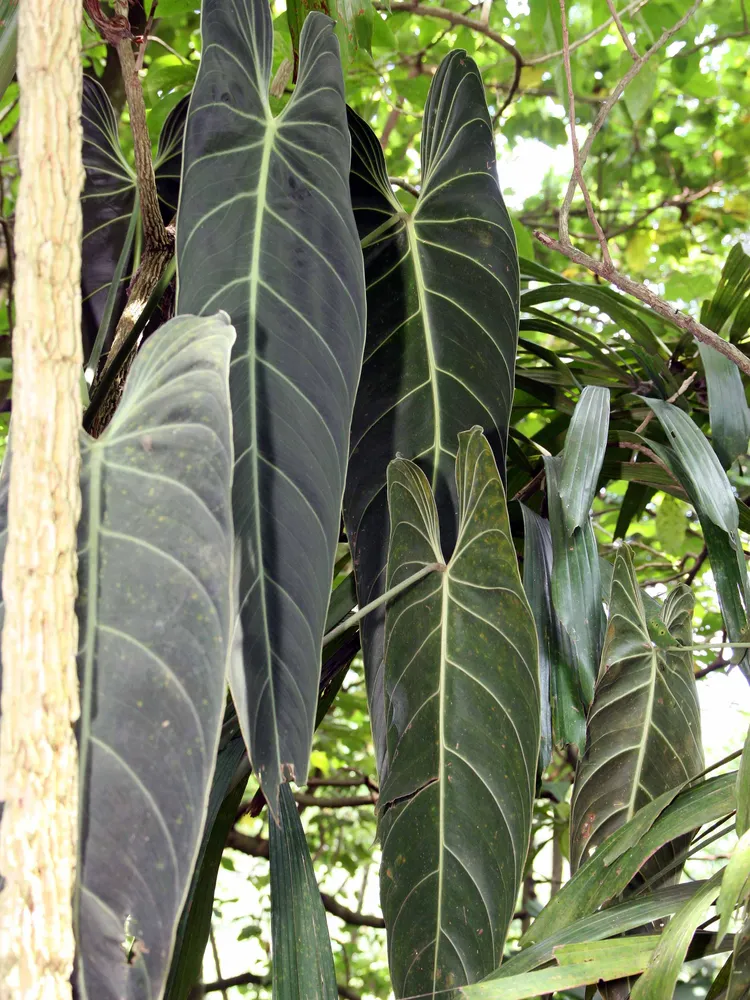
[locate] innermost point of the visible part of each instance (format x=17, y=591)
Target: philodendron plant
x=344, y=369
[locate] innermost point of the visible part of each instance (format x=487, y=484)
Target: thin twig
x=458, y=20
x=577, y=165
x=649, y=298
x=672, y=399
x=612, y=100
x=696, y=567
x=623, y=33
x=400, y=182
x=630, y=8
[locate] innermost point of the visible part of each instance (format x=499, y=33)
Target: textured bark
x=38, y=754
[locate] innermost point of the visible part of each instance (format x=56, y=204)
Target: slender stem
x=347, y=623
x=623, y=33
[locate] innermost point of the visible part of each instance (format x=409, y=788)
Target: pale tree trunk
x=38, y=755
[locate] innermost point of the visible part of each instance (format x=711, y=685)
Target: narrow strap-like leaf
x=302, y=957
x=727, y=406
x=582, y=458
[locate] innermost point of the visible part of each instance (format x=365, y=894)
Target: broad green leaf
x=582, y=458
x=733, y=884
x=266, y=231
x=598, y=880
x=739, y=980
x=576, y=584
x=644, y=724
x=659, y=979
x=302, y=957
x=694, y=463
x=563, y=717
x=743, y=789
x=640, y=91
x=462, y=690
x=727, y=407
x=109, y=197
x=155, y=547
x=707, y=480
x=638, y=912
x=442, y=326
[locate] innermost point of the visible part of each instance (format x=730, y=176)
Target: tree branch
x=456, y=19
x=623, y=33
x=350, y=916
x=649, y=298
x=630, y=8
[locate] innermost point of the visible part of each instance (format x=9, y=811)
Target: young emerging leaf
x=582, y=458
x=266, y=231
x=563, y=718
x=302, y=957
x=442, y=326
x=576, y=585
x=462, y=690
x=155, y=548
x=644, y=727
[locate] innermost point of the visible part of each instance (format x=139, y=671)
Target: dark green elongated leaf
x=733, y=884
x=599, y=879
x=644, y=724
x=462, y=689
x=266, y=230
x=663, y=902
x=734, y=284
x=727, y=407
x=718, y=988
x=227, y=787
x=302, y=957
x=576, y=585
x=108, y=199
x=659, y=979
x=582, y=458
x=443, y=291
x=8, y=42
x=563, y=717
x=694, y=464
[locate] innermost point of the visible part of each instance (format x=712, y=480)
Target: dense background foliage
x=668, y=174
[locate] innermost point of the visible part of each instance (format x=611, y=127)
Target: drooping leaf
x=644, y=724
x=694, y=463
x=576, y=585
x=739, y=980
x=109, y=198
x=266, y=231
x=727, y=406
x=734, y=284
x=659, y=979
x=155, y=545
x=462, y=690
x=634, y=913
x=302, y=957
x=599, y=879
x=582, y=458
x=442, y=326
x=563, y=718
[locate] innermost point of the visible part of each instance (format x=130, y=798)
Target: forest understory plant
x=348, y=461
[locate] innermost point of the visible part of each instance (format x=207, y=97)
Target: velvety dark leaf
x=462, y=696
x=563, y=717
x=644, y=724
x=576, y=585
x=442, y=299
x=582, y=458
x=302, y=957
x=266, y=232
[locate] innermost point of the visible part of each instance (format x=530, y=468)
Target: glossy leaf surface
x=462, y=690
x=644, y=727
x=563, y=719
x=302, y=957
x=582, y=458
x=266, y=232
x=576, y=584
x=442, y=298
x=727, y=406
